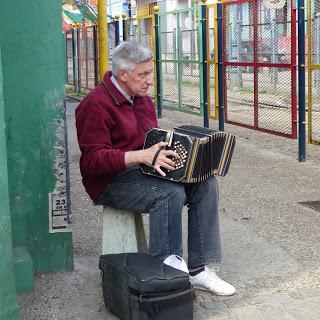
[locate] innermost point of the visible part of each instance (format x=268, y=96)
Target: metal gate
x=87, y=57
x=259, y=45
x=141, y=30
x=82, y=55
x=180, y=60
x=314, y=71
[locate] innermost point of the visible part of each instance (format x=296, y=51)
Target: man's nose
x=150, y=80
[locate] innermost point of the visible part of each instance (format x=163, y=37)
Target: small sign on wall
x=59, y=206
x=58, y=217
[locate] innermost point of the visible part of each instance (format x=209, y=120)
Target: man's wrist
x=132, y=158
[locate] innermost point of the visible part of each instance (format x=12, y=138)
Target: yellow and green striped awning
x=88, y=12
x=73, y=16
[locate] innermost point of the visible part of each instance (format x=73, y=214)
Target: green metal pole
x=204, y=63
x=9, y=309
x=75, y=60
x=200, y=60
x=158, y=65
x=67, y=60
x=74, y=57
x=179, y=49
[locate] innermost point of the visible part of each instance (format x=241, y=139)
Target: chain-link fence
x=257, y=55
x=180, y=60
x=82, y=55
x=141, y=30
x=260, y=66
x=87, y=57
x=314, y=71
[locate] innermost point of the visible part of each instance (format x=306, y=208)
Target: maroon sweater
x=107, y=127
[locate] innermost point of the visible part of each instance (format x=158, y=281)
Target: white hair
x=127, y=54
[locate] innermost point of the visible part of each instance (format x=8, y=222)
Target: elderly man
x=112, y=122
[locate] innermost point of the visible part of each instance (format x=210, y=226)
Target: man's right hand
x=146, y=156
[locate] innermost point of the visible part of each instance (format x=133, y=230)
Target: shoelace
x=213, y=273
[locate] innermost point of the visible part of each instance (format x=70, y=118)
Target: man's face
x=138, y=81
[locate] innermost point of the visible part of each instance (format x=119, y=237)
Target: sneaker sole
x=217, y=294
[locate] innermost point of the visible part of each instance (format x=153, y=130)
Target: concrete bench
x=123, y=231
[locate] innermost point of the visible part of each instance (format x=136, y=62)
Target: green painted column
x=8, y=302
x=33, y=58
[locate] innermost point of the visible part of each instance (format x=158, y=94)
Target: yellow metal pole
x=103, y=38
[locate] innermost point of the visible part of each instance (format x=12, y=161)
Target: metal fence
x=141, y=30
x=82, y=55
x=260, y=66
x=251, y=62
x=87, y=57
x=179, y=44
x=314, y=71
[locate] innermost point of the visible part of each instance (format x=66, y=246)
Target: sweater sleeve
x=98, y=156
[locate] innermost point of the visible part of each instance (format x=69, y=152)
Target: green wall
x=33, y=65
x=8, y=304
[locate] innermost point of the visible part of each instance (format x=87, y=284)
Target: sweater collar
x=116, y=94
x=117, y=85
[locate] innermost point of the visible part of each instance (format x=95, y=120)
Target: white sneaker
x=208, y=280
x=177, y=262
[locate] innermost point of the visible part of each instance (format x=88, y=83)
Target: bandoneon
x=202, y=152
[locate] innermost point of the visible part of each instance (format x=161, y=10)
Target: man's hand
x=162, y=159
x=147, y=156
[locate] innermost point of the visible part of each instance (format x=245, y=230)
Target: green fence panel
x=180, y=59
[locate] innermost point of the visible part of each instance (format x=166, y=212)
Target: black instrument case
x=137, y=286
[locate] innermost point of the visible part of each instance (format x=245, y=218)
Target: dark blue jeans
x=164, y=201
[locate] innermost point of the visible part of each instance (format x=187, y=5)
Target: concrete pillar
x=33, y=65
x=8, y=302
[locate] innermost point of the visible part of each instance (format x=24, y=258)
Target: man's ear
x=122, y=75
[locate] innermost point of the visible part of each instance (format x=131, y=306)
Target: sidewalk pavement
x=271, y=242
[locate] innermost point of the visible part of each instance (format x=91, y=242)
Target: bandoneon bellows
x=202, y=152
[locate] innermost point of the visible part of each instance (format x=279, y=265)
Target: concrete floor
x=271, y=242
